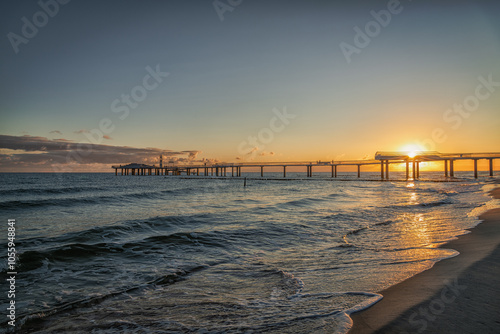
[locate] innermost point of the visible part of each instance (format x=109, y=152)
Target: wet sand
x=457, y=295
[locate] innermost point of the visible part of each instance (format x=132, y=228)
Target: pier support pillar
x=387, y=169
x=335, y=170
x=381, y=169
x=332, y=170
x=445, y=168
x=491, y=166
x=452, y=170
x=261, y=171
x=116, y=171
x=225, y=171
x=407, y=170
x=413, y=170
x=284, y=171
x=418, y=169
x=359, y=171
x=475, y=168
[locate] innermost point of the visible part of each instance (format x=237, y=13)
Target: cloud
x=192, y=154
x=107, y=137
x=340, y=156
x=81, y=131
x=255, y=149
x=56, y=131
x=263, y=154
x=30, y=151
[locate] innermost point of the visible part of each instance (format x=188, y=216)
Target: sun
x=412, y=154
x=412, y=150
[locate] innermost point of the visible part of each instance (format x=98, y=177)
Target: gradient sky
x=227, y=76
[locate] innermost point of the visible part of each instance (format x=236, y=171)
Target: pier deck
x=412, y=161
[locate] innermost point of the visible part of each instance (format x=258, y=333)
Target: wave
x=167, y=279
x=131, y=240
x=52, y=191
x=63, y=202
x=77, y=201
x=303, y=202
x=420, y=205
x=365, y=228
x=87, y=200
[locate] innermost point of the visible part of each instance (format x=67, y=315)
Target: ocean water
x=99, y=253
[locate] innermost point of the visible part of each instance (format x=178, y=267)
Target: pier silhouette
x=412, y=161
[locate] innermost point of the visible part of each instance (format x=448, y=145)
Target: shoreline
x=459, y=294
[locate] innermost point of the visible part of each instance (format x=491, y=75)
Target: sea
x=99, y=253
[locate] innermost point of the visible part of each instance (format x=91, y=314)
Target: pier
x=411, y=160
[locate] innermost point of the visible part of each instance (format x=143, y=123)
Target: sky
x=88, y=84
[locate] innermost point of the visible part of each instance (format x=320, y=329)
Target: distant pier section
x=412, y=161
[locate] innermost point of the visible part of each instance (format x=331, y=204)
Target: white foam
x=374, y=298
x=346, y=322
x=491, y=204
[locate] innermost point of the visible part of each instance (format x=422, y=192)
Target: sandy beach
x=457, y=295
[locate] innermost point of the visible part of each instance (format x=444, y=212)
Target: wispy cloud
x=263, y=154
x=56, y=131
x=107, y=137
x=29, y=151
x=82, y=131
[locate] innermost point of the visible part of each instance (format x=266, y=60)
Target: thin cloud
x=263, y=154
x=107, y=137
x=56, y=131
x=81, y=131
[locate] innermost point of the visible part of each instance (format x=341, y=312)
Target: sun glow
x=412, y=150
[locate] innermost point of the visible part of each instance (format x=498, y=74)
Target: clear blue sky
x=226, y=77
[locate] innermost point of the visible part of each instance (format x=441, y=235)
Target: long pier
x=412, y=161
